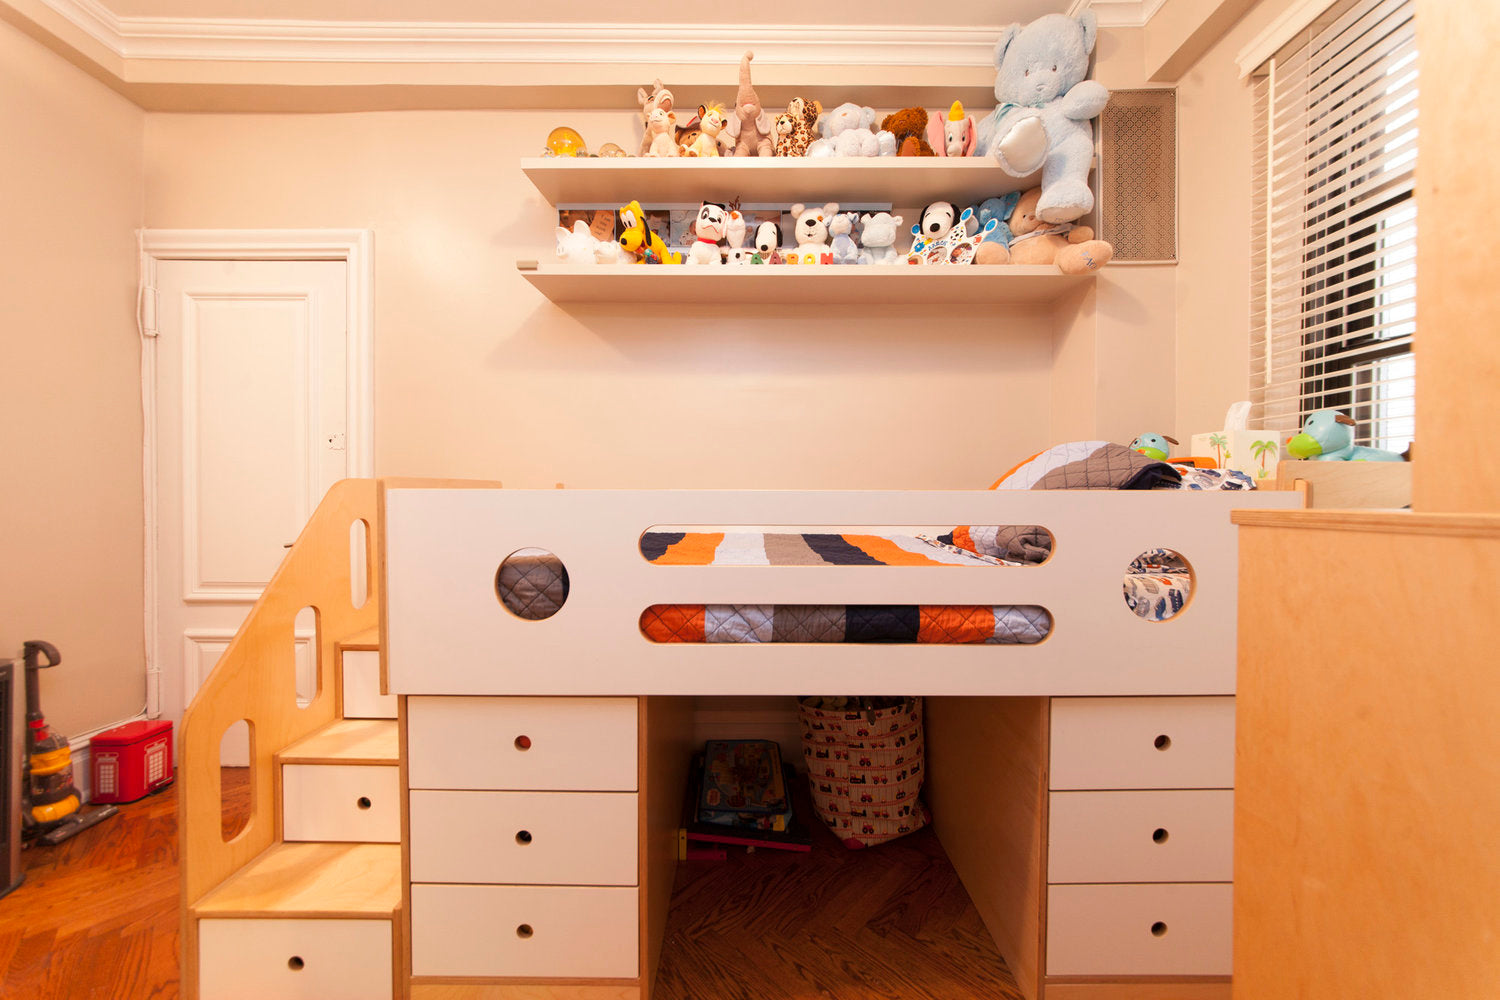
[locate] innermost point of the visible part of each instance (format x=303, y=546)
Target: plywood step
x=368, y=639
x=312, y=880
x=347, y=741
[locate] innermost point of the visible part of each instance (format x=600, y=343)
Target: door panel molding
x=355, y=248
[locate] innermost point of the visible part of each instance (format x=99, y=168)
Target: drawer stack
x=524, y=822
x=1140, y=834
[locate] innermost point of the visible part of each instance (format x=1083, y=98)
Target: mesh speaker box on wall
x=1138, y=174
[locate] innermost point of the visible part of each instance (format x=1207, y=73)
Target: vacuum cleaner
x=51, y=805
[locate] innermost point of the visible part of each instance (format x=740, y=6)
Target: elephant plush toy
x=1045, y=110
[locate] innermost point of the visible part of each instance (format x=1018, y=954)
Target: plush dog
x=710, y=227
x=767, y=244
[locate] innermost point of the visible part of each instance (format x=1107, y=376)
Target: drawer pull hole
x=1160, y=836
x=364, y=802
x=523, y=742
x=1158, y=929
x=295, y=963
x=524, y=931
x=1163, y=742
x=523, y=837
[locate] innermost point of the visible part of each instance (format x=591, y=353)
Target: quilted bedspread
x=886, y=623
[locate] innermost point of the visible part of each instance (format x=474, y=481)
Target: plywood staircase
x=305, y=899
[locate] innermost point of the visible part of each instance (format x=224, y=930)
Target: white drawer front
x=1173, y=836
x=1139, y=930
x=522, y=744
x=1142, y=743
x=525, y=931
x=362, y=697
x=294, y=959
x=541, y=838
x=346, y=802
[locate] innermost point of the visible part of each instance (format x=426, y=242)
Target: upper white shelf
x=869, y=285
x=899, y=181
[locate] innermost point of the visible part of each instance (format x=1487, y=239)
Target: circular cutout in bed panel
x=1158, y=584
x=532, y=584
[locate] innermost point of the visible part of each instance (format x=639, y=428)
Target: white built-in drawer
x=1142, y=743
x=294, y=959
x=362, y=697
x=1151, y=836
x=543, y=838
x=1139, y=930
x=523, y=744
x=525, y=931
x=346, y=802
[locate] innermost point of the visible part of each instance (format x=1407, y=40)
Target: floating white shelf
x=798, y=284
x=900, y=181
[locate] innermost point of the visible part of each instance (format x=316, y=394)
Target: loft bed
x=577, y=728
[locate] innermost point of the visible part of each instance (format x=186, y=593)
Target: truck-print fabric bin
x=864, y=766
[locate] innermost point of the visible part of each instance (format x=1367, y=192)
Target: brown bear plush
x=909, y=126
x=1074, y=250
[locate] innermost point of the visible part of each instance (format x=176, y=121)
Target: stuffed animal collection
x=1045, y=104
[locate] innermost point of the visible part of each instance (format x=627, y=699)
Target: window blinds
x=1335, y=224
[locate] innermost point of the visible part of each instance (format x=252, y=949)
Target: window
x=1336, y=224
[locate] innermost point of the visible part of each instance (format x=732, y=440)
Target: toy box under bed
x=769, y=592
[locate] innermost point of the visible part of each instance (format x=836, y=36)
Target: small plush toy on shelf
x=846, y=131
x=660, y=131
x=996, y=248
x=795, y=128
x=909, y=126
x=659, y=98
x=750, y=126
x=767, y=244
x=708, y=229
x=878, y=237
x=711, y=125
x=642, y=243
x=1328, y=436
x=1045, y=105
x=955, y=245
x=954, y=135
x=841, y=228
x=1071, y=247
x=1153, y=446
x=734, y=236
x=810, y=229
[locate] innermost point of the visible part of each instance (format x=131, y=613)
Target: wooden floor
x=892, y=922
x=97, y=916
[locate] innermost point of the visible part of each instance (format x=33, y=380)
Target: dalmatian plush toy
x=710, y=226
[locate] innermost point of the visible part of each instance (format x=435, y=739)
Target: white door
x=251, y=385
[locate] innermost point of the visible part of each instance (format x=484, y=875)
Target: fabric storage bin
x=864, y=767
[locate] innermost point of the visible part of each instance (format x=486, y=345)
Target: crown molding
x=1119, y=13
x=226, y=40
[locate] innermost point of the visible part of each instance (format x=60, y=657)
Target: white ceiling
x=981, y=14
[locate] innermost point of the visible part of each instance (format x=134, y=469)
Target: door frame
x=356, y=248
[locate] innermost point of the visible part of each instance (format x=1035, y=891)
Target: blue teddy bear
x=1046, y=106
x=1328, y=436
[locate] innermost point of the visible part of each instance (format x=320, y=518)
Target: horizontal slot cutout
x=883, y=545
x=898, y=624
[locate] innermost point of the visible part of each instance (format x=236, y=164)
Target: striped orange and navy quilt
x=882, y=623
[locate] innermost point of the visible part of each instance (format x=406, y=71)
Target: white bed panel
x=447, y=632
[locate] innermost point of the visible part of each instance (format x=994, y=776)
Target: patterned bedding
x=883, y=623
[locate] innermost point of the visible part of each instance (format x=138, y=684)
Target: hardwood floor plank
x=97, y=915
x=893, y=922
